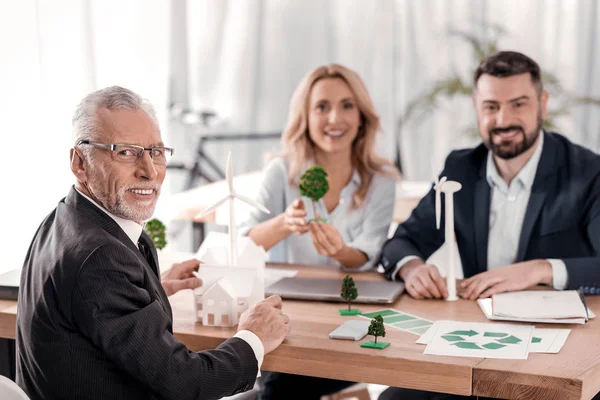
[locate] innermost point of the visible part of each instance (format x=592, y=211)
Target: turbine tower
x=231, y=197
x=448, y=188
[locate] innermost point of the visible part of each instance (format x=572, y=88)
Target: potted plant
x=157, y=232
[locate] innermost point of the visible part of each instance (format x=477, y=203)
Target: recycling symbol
x=472, y=340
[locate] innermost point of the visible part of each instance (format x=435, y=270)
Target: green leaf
x=452, y=338
x=478, y=45
x=348, y=291
x=510, y=340
x=463, y=333
x=495, y=334
x=493, y=346
x=157, y=232
x=467, y=345
x=377, y=328
x=313, y=183
x=585, y=100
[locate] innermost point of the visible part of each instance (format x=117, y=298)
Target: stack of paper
x=551, y=307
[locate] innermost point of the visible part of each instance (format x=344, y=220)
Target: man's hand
x=511, y=278
x=267, y=321
x=423, y=281
x=326, y=239
x=181, y=276
x=294, y=218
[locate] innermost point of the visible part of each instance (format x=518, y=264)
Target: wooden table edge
x=288, y=359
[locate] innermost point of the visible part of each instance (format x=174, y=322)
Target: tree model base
x=372, y=345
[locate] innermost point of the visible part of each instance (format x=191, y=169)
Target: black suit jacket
x=562, y=219
x=94, y=322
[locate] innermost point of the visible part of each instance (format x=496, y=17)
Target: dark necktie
x=145, y=245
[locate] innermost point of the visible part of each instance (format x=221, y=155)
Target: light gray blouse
x=364, y=229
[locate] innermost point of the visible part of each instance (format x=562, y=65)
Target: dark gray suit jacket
x=94, y=322
x=562, y=219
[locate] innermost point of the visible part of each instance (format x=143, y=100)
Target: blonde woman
x=332, y=123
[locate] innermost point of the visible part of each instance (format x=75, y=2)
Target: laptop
x=9, y=284
x=369, y=292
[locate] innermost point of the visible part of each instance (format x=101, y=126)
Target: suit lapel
x=482, y=221
x=543, y=183
x=100, y=218
x=534, y=208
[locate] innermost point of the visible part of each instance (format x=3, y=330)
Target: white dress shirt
x=507, y=213
x=133, y=230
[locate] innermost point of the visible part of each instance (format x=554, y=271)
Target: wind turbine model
x=448, y=188
x=231, y=196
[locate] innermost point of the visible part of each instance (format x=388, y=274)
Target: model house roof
x=223, y=285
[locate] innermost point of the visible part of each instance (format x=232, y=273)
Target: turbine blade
x=253, y=203
x=212, y=208
x=229, y=174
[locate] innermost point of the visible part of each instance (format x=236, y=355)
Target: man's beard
x=138, y=211
x=513, y=150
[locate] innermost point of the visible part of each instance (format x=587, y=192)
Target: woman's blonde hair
x=298, y=147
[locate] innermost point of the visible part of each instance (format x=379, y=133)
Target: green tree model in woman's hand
x=314, y=185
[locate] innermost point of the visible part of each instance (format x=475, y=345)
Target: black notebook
x=9, y=284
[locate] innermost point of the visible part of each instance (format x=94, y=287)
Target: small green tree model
x=377, y=328
x=349, y=291
x=314, y=185
x=157, y=232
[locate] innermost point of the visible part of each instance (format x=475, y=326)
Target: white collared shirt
x=133, y=230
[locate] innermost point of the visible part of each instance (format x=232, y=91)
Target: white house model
x=227, y=291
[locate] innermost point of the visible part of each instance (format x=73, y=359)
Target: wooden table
x=188, y=204
x=574, y=373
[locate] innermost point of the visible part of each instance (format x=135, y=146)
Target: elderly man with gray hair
x=94, y=320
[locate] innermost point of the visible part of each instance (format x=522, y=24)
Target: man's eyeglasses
x=131, y=153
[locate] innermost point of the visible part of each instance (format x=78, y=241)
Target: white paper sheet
x=548, y=340
x=486, y=307
x=482, y=340
x=542, y=341
x=539, y=304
